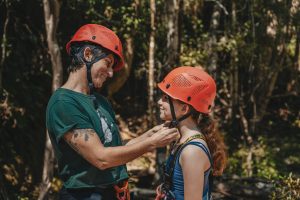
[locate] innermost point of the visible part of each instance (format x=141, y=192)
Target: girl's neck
x=188, y=128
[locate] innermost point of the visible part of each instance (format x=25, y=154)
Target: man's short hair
x=77, y=54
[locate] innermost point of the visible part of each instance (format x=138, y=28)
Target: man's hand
x=156, y=129
x=164, y=136
x=150, y=132
x=147, y=135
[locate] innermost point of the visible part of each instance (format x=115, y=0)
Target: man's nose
x=159, y=101
x=110, y=72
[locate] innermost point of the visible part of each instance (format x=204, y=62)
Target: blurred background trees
x=250, y=47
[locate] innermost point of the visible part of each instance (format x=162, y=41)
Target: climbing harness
x=163, y=192
x=122, y=192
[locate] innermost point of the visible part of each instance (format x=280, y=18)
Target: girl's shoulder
x=194, y=145
x=197, y=147
x=195, y=151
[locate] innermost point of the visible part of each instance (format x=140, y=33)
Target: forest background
x=251, y=48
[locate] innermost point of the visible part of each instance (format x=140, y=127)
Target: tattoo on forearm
x=79, y=133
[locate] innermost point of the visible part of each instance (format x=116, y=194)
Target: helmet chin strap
x=175, y=121
x=89, y=65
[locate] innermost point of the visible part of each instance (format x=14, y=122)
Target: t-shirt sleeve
x=65, y=116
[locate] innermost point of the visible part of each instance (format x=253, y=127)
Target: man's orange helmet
x=192, y=86
x=102, y=36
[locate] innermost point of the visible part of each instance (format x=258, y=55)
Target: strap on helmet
x=89, y=65
x=175, y=121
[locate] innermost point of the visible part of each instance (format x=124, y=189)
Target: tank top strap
x=198, y=144
x=207, y=174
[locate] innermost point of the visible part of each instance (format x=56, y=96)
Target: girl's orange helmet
x=102, y=36
x=192, y=86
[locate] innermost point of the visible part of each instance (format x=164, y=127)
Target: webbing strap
x=122, y=192
x=168, y=172
x=89, y=65
x=175, y=121
x=210, y=183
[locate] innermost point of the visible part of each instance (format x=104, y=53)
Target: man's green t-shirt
x=68, y=110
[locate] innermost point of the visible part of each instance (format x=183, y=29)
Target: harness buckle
x=122, y=192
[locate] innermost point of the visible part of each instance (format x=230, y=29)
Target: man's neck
x=77, y=82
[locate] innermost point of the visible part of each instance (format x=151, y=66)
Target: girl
x=188, y=94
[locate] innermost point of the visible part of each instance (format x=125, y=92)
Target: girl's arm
x=194, y=162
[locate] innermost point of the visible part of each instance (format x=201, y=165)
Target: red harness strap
x=159, y=194
x=122, y=192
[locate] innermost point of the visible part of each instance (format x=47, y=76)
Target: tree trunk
x=4, y=42
x=296, y=69
x=151, y=108
x=173, y=51
x=212, y=42
x=51, y=13
x=215, y=20
x=275, y=64
x=240, y=122
x=234, y=78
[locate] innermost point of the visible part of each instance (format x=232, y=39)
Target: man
x=82, y=125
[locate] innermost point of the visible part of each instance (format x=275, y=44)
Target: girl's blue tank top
x=177, y=179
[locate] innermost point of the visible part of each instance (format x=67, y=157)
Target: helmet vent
x=195, y=77
x=199, y=88
x=181, y=81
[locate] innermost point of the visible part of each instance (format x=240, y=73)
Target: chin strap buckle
x=173, y=123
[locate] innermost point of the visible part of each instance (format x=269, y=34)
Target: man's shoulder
x=59, y=97
x=62, y=94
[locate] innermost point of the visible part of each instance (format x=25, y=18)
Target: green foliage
x=263, y=161
x=246, y=45
x=287, y=187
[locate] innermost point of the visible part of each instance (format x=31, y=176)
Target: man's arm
x=87, y=143
x=146, y=135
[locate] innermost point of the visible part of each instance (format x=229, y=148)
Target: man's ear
x=87, y=53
